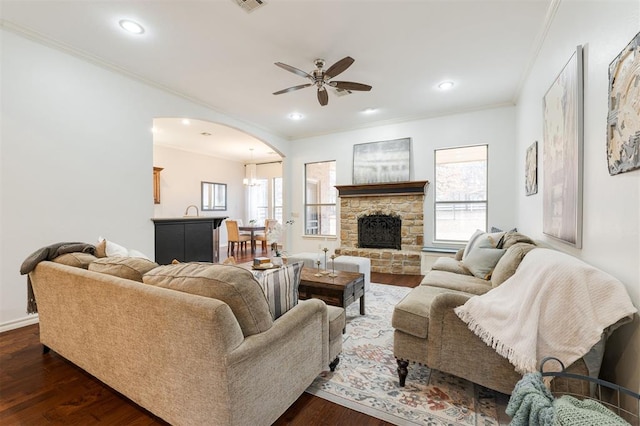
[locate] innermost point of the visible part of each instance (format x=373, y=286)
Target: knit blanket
x=554, y=305
x=531, y=404
x=49, y=252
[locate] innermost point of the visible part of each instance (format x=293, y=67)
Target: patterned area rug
x=366, y=378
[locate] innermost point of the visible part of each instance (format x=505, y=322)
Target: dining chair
x=234, y=236
x=268, y=225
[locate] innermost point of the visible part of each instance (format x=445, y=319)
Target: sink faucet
x=186, y=212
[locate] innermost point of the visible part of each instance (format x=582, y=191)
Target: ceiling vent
x=250, y=5
x=342, y=92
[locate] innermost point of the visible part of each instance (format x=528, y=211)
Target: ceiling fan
x=320, y=78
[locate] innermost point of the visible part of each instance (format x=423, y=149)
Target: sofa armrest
x=286, y=358
x=453, y=348
x=288, y=328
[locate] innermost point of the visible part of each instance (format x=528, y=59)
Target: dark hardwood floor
x=37, y=389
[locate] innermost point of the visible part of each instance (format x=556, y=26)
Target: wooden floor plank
x=43, y=389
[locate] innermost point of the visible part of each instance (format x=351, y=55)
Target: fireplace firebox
x=380, y=231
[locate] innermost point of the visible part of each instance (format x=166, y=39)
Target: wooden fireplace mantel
x=382, y=189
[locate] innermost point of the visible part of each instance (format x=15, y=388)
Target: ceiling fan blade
x=339, y=67
x=291, y=89
x=323, y=96
x=293, y=70
x=350, y=85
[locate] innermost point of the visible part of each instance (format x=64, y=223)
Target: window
x=259, y=208
x=320, y=198
x=258, y=196
x=460, y=192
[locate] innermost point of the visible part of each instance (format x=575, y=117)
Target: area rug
x=366, y=379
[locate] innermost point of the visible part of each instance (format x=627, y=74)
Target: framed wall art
x=531, y=170
x=562, y=154
x=382, y=162
x=623, y=130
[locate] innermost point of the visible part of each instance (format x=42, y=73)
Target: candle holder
x=333, y=266
x=318, y=274
x=325, y=250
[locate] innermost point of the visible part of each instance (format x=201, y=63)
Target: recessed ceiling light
x=445, y=85
x=131, y=26
x=369, y=110
x=296, y=116
x=186, y=121
x=154, y=130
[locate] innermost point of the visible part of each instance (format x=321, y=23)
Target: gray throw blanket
x=49, y=252
x=531, y=403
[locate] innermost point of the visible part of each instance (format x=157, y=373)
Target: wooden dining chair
x=234, y=237
x=268, y=224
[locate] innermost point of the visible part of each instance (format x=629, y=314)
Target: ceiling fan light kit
x=321, y=78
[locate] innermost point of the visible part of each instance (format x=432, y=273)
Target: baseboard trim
x=22, y=322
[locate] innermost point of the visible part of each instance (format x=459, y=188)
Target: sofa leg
x=45, y=349
x=402, y=371
x=334, y=364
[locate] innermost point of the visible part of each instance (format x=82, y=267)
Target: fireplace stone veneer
x=404, y=200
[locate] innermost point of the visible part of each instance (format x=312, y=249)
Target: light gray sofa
x=427, y=330
x=189, y=359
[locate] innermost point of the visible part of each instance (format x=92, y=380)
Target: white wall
x=495, y=127
x=611, y=236
x=76, y=157
x=180, y=184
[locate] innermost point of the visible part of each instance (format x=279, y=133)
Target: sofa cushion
x=450, y=264
x=235, y=286
x=131, y=268
x=411, y=314
x=79, y=259
x=508, y=263
x=337, y=321
x=459, y=282
x=280, y=286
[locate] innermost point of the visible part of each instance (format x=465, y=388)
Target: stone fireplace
x=383, y=222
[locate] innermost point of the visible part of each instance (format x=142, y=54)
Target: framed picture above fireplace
x=382, y=162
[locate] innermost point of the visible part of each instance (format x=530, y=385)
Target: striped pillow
x=281, y=287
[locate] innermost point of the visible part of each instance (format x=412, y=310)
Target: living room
x=76, y=154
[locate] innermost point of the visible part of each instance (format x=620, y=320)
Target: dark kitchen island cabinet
x=188, y=239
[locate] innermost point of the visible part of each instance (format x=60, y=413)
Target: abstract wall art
x=531, y=170
x=623, y=130
x=562, y=154
x=382, y=162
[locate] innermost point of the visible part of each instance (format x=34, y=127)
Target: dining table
x=252, y=229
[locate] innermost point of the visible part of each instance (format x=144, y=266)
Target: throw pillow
x=131, y=268
x=101, y=248
x=513, y=237
x=483, y=259
x=508, y=263
x=480, y=238
x=280, y=286
x=231, y=284
x=107, y=248
x=79, y=260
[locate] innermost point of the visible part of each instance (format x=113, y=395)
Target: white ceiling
x=217, y=53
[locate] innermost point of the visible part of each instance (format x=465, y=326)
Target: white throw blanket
x=554, y=305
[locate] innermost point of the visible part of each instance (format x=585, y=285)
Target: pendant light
x=250, y=172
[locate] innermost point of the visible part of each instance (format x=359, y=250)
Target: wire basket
x=622, y=401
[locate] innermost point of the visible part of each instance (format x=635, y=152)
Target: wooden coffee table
x=342, y=290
